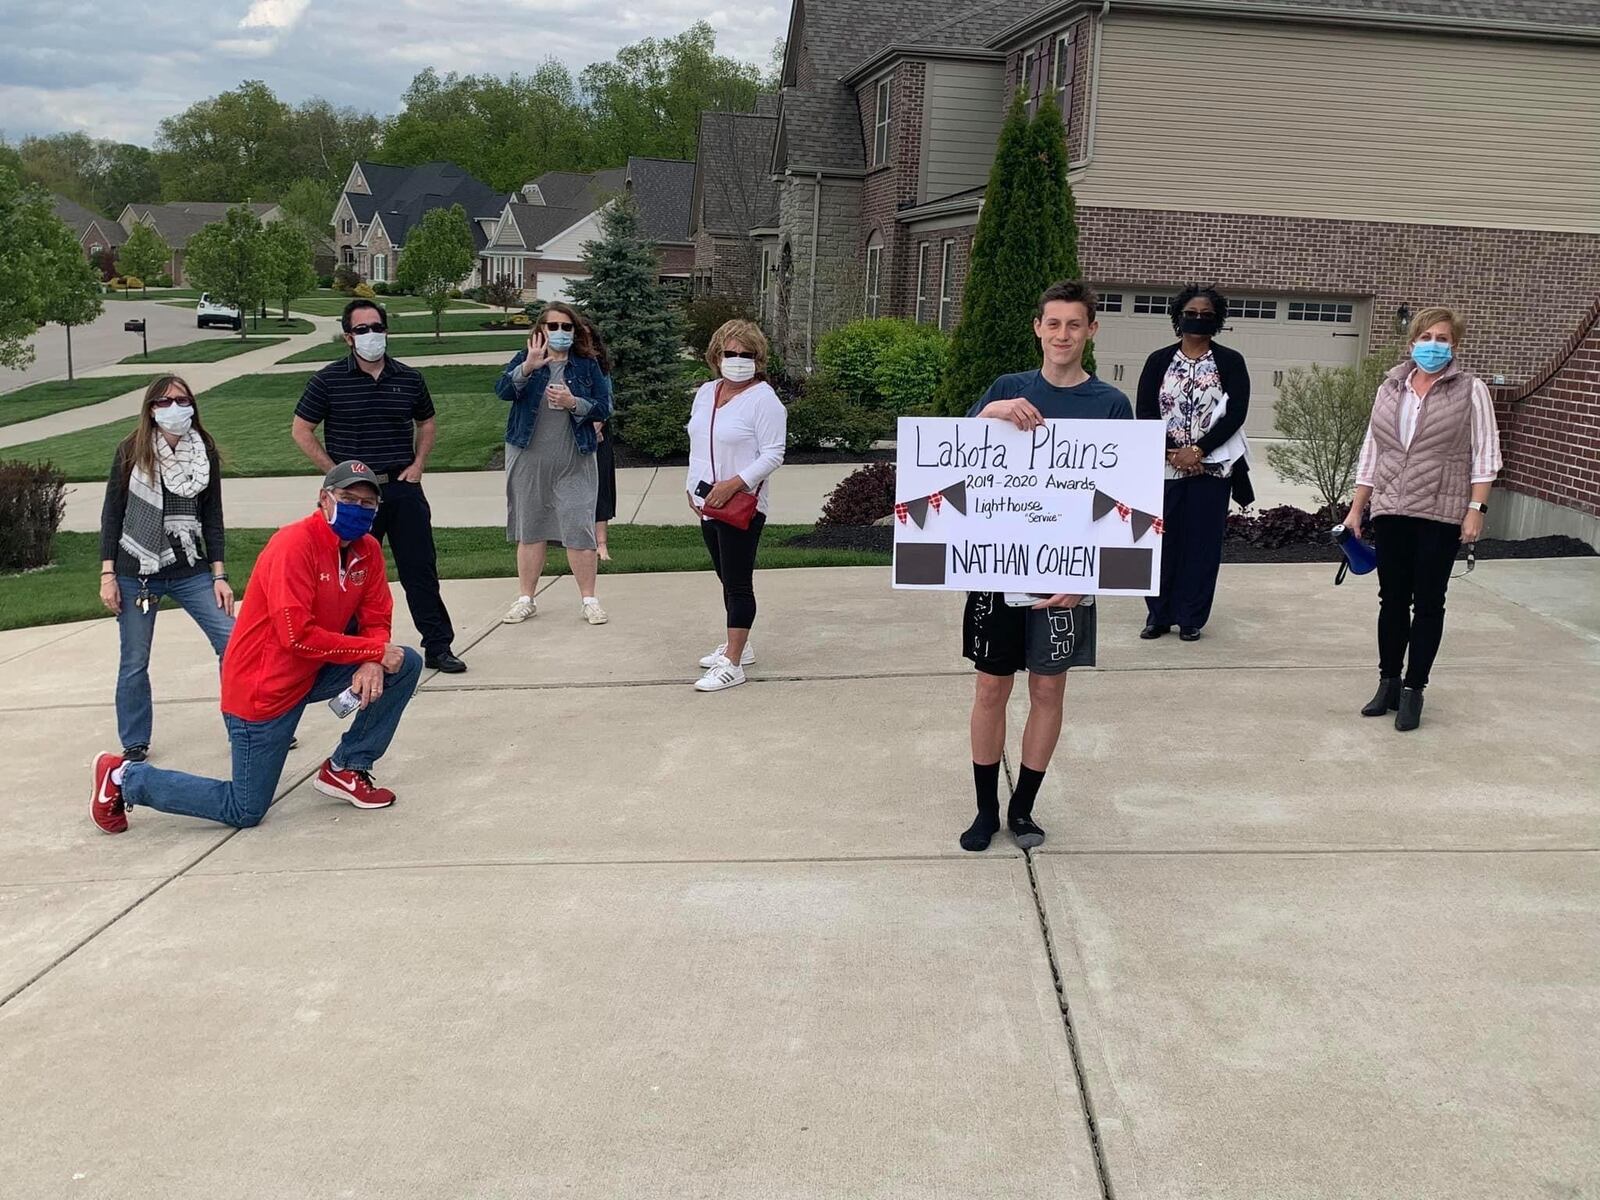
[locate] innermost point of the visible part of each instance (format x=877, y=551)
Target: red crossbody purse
x=740, y=510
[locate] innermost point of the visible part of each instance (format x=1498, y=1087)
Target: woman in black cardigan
x=1201, y=391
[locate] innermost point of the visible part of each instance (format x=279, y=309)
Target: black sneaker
x=136, y=753
x=1025, y=832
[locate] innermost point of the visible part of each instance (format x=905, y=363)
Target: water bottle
x=345, y=703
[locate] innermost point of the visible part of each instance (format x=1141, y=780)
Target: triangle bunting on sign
x=1102, y=504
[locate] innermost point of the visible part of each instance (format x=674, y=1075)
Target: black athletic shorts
x=1001, y=639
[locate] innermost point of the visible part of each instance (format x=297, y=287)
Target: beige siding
x=965, y=105
x=1318, y=121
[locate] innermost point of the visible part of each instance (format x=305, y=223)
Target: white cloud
x=274, y=14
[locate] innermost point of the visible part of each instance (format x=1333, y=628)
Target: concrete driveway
x=619, y=939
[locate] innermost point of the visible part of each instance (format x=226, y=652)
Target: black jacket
x=1235, y=379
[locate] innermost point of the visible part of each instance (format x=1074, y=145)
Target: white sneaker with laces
x=746, y=659
x=720, y=677
x=520, y=612
x=593, y=613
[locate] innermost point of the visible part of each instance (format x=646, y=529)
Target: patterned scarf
x=161, y=511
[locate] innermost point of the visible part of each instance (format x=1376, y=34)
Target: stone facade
x=838, y=277
x=725, y=266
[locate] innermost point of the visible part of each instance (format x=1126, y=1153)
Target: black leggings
x=733, y=554
x=1414, y=561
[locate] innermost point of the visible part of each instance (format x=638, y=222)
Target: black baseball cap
x=349, y=473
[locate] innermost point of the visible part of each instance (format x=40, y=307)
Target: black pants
x=733, y=554
x=1195, y=518
x=405, y=518
x=1414, y=561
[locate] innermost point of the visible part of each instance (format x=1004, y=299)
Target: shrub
x=345, y=279
x=1324, y=413
x=657, y=427
x=849, y=355
x=705, y=315
x=522, y=319
x=162, y=280
x=32, y=504
x=115, y=283
x=910, y=370
x=820, y=418
x=1285, y=525
x=381, y=288
x=455, y=293
x=324, y=281
x=862, y=497
x=365, y=292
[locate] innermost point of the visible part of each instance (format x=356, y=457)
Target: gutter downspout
x=1094, y=84
x=816, y=232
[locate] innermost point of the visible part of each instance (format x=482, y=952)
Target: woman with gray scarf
x=161, y=534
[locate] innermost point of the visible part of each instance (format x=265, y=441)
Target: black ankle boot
x=1386, y=701
x=1410, y=714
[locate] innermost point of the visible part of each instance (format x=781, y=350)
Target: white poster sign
x=1073, y=506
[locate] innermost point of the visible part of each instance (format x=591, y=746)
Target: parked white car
x=210, y=312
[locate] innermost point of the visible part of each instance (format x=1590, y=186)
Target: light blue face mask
x=1431, y=356
x=561, y=339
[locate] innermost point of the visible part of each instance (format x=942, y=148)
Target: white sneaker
x=593, y=613
x=720, y=677
x=520, y=612
x=746, y=659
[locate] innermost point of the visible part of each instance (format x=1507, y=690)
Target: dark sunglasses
x=750, y=354
x=375, y=327
x=1189, y=312
x=168, y=401
x=563, y=326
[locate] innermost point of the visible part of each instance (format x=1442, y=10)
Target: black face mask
x=1204, y=326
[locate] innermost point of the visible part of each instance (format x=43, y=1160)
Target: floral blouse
x=1190, y=393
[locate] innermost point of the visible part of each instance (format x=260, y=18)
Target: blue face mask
x=1431, y=356
x=351, y=521
x=561, y=339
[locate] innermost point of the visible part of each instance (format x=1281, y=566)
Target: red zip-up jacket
x=294, y=615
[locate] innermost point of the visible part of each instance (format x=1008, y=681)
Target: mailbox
x=133, y=326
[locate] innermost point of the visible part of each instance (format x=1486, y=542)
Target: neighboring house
x=736, y=204
x=96, y=234
x=179, y=220
x=539, y=238
x=1332, y=164
x=380, y=203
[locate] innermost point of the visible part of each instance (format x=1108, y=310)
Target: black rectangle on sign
x=920, y=563
x=1125, y=569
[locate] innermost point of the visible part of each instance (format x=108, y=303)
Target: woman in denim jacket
x=557, y=392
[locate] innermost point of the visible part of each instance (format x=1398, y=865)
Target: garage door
x=553, y=286
x=1274, y=333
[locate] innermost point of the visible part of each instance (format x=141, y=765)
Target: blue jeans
x=197, y=596
x=260, y=747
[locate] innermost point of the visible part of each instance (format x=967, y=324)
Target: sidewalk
x=618, y=939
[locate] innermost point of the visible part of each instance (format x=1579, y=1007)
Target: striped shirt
x=369, y=419
x=1485, y=434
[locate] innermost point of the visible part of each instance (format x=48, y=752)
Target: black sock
x=986, y=780
x=1023, y=796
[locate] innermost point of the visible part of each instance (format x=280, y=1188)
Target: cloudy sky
x=114, y=70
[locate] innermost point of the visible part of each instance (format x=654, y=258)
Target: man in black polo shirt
x=378, y=410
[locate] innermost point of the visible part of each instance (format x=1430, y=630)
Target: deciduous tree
x=437, y=256
x=145, y=254
x=290, y=274
x=231, y=260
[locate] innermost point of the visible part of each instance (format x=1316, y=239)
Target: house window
x=947, y=282
x=922, y=282
x=1111, y=302
x=1064, y=63
x=1259, y=310
x=1151, y=305
x=880, y=129
x=380, y=268
x=761, y=283
x=1030, y=60
x=874, y=271
x=1312, y=310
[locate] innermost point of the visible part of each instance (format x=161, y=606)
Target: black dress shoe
x=1386, y=701
x=1152, y=631
x=1188, y=634
x=1410, y=714
x=446, y=662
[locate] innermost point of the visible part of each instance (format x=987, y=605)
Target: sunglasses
x=374, y=327
x=1190, y=312
x=169, y=401
x=750, y=354
x=563, y=326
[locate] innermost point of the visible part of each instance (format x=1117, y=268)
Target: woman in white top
x=737, y=432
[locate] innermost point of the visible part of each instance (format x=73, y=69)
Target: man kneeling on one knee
x=315, y=622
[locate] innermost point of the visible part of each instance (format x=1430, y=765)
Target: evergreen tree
x=1026, y=240
x=642, y=325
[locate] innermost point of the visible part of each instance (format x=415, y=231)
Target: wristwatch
x=1479, y=505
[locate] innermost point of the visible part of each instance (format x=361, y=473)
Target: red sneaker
x=105, y=802
x=355, y=786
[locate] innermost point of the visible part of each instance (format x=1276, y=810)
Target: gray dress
x=550, y=485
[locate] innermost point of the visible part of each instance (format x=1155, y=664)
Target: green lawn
x=472, y=321
x=163, y=294
x=407, y=348
x=331, y=304
x=69, y=589
x=250, y=418
x=42, y=399
x=206, y=350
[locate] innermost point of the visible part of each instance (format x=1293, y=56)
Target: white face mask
x=738, y=370
x=174, y=418
x=370, y=346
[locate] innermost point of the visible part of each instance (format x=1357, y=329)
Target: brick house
x=735, y=204
x=1331, y=166
x=96, y=234
x=380, y=203
x=539, y=237
x=179, y=220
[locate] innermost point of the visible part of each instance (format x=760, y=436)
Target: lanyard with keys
x=144, y=601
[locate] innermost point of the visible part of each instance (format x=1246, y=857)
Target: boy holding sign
x=1002, y=639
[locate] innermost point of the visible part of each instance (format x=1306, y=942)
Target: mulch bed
x=881, y=538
